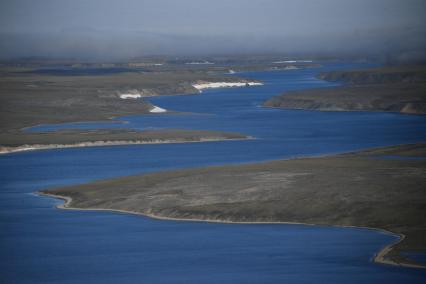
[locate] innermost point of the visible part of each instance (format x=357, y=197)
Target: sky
x=121, y=29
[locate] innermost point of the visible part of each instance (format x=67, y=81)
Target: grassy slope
x=358, y=189
x=28, y=99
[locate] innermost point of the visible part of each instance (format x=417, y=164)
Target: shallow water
x=42, y=244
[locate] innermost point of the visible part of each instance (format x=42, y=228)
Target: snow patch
x=224, y=85
x=157, y=109
x=130, y=96
x=292, y=61
x=199, y=63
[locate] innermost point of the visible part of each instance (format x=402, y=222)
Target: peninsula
x=72, y=138
x=44, y=94
x=380, y=188
x=399, y=89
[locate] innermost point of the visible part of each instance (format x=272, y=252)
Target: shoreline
x=342, y=110
x=111, y=120
x=37, y=147
x=379, y=257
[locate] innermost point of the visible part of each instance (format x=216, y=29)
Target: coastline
x=111, y=120
x=379, y=257
x=342, y=110
x=385, y=89
x=36, y=147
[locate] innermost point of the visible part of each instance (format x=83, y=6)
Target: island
x=400, y=89
x=380, y=188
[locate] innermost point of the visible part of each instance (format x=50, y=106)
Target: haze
x=109, y=29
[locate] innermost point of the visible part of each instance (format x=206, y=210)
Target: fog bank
x=109, y=29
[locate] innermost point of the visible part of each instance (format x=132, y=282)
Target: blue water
x=417, y=256
x=41, y=244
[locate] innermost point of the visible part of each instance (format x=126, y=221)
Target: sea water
x=42, y=244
